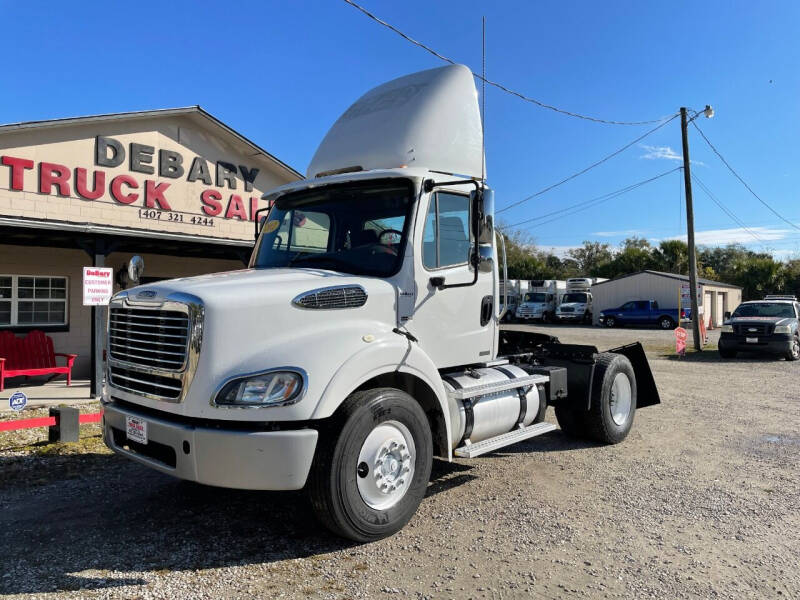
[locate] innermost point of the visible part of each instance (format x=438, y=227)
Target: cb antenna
x=483, y=101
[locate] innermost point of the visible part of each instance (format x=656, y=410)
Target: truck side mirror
x=135, y=268
x=483, y=204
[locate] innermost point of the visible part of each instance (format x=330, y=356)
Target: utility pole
x=687, y=179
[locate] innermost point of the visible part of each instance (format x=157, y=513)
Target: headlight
x=783, y=329
x=274, y=388
x=727, y=329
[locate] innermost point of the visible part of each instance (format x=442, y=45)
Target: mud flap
x=646, y=390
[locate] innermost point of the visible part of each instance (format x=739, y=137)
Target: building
x=714, y=300
x=176, y=186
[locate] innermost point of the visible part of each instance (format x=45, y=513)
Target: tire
x=666, y=322
x=542, y=405
x=587, y=318
x=611, y=322
x=344, y=489
x=571, y=421
x=610, y=417
x=725, y=353
x=547, y=318
x=794, y=353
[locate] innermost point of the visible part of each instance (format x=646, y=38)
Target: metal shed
x=715, y=300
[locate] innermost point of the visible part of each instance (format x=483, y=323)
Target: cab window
x=446, y=238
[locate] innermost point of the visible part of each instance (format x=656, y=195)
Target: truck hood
x=250, y=324
x=251, y=287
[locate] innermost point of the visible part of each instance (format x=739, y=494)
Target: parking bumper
x=231, y=458
x=774, y=344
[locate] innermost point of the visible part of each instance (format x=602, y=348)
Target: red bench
x=31, y=355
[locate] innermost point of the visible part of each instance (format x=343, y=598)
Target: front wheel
x=372, y=465
x=611, y=322
x=794, y=351
x=725, y=353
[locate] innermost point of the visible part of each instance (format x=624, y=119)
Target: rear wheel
x=611, y=322
x=613, y=405
x=372, y=465
x=666, y=323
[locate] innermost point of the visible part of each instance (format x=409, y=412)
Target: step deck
x=505, y=439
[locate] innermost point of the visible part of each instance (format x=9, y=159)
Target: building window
x=31, y=301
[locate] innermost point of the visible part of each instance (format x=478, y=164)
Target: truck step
x=497, y=386
x=506, y=439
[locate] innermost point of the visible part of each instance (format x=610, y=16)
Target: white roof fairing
x=428, y=120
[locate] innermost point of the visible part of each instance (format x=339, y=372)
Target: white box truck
x=363, y=339
x=576, y=303
x=539, y=303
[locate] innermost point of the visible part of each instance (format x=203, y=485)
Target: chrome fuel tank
x=490, y=401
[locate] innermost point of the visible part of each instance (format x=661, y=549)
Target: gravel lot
x=701, y=501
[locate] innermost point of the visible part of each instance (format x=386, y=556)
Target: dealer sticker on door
x=136, y=429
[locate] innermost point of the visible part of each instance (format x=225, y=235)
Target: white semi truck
x=363, y=339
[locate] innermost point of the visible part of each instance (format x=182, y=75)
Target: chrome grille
x=745, y=329
x=138, y=382
x=149, y=338
x=347, y=296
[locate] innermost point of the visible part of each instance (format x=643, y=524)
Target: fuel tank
x=489, y=401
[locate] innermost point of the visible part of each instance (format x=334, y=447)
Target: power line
x=726, y=210
x=494, y=83
x=589, y=168
x=586, y=204
x=744, y=183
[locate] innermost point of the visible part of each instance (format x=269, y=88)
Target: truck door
x=448, y=321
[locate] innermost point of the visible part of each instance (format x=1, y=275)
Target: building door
x=719, y=317
x=707, y=308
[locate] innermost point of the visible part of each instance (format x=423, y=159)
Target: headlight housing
x=272, y=388
x=727, y=328
x=783, y=329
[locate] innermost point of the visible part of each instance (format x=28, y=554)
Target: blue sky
x=282, y=72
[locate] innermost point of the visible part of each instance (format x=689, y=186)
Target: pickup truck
x=642, y=312
x=769, y=326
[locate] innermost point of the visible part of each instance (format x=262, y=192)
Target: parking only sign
x=686, y=296
x=98, y=285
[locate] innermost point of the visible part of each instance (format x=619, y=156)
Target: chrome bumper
x=243, y=459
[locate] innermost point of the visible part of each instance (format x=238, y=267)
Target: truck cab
x=363, y=338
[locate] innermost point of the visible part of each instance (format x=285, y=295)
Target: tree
x=590, y=257
x=672, y=256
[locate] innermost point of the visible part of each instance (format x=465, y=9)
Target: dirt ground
x=701, y=501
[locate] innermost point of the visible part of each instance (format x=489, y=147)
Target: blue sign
x=17, y=401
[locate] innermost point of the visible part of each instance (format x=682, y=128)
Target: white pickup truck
x=363, y=339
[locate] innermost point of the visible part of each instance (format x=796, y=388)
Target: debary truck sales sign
x=170, y=174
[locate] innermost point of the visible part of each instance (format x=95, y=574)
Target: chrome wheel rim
x=385, y=466
x=795, y=348
x=665, y=324
x=620, y=401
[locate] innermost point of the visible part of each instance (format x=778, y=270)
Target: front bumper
x=249, y=459
x=775, y=343
x=571, y=316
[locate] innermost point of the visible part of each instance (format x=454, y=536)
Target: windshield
x=763, y=309
x=574, y=297
x=356, y=228
x=534, y=297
